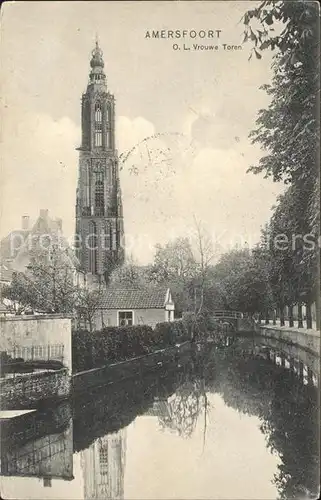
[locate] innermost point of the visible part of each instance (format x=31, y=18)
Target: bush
x=112, y=344
x=169, y=334
x=82, y=347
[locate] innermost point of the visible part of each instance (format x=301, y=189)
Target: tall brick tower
x=99, y=212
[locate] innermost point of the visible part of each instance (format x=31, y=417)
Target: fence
x=38, y=352
x=228, y=314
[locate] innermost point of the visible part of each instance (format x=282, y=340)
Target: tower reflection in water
x=103, y=467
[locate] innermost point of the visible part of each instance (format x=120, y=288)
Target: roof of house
x=10, y=244
x=16, y=246
x=115, y=298
x=3, y=308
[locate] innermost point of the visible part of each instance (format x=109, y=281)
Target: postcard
x=160, y=250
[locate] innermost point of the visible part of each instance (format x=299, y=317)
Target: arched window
x=98, y=115
x=92, y=247
x=98, y=126
x=99, y=194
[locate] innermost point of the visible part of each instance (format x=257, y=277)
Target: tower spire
x=97, y=74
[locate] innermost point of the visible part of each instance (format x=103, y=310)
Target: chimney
x=25, y=222
x=44, y=213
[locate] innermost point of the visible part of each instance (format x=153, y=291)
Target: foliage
x=47, y=286
x=86, y=304
x=184, y=265
x=169, y=334
x=17, y=294
x=288, y=132
x=174, y=266
x=82, y=346
x=242, y=281
x=130, y=275
x=112, y=344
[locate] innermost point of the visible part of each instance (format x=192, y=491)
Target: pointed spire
x=97, y=41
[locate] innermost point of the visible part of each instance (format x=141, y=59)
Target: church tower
x=99, y=213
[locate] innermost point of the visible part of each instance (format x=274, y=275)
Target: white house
x=121, y=307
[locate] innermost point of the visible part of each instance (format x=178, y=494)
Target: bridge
x=233, y=320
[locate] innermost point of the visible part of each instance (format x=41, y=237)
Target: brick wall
x=24, y=391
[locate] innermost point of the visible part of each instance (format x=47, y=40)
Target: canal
x=238, y=419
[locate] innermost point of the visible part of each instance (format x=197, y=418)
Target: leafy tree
x=175, y=266
x=242, y=281
x=288, y=131
x=87, y=304
x=47, y=286
x=17, y=294
x=131, y=275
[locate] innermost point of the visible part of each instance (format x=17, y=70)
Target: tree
x=175, y=267
x=17, y=294
x=205, y=252
x=288, y=130
x=87, y=305
x=130, y=275
x=241, y=279
x=47, y=286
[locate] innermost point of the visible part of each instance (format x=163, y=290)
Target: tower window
x=98, y=115
x=99, y=194
x=98, y=126
x=98, y=138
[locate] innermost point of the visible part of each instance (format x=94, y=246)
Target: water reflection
x=36, y=452
x=243, y=408
x=252, y=381
x=103, y=467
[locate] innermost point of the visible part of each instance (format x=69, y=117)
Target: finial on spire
x=97, y=74
x=97, y=56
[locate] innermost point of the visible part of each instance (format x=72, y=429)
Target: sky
x=201, y=104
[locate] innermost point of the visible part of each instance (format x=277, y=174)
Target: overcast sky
x=203, y=103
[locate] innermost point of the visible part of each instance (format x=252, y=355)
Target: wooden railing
x=228, y=314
